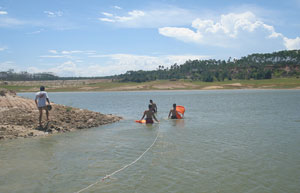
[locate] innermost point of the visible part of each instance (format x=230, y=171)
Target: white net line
x=123, y=168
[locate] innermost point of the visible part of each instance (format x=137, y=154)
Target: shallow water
x=230, y=141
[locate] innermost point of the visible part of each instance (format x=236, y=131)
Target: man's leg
x=47, y=114
x=40, y=117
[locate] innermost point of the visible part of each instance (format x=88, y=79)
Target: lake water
x=230, y=141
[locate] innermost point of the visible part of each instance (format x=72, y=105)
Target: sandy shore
x=96, y=85
x=19, y=118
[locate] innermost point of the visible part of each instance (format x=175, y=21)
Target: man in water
x=154, y=107
x=173, y=112
x=40, y=101
x=149, y=115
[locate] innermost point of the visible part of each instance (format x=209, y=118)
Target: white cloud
x=53, y=51
x=71, y=52
x=135, y=14
x=2, y=48
x=107, y=20
x=232, y=30
x=54, y=14
x=292, y=44
x=7, y=65
x=36, y=32
x=117, y=7
x=183, y=34
x=66, y=53
x=3, y=13
x=120, y=63
x=53, y=56
x=110, y=64
x=9, y=22
x=150, y=18
x=107, y=14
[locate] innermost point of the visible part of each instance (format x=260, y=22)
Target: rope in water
x=123, y=168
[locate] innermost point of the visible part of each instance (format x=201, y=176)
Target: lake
x=229, y=141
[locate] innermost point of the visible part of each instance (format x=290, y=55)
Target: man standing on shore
x=40, y=101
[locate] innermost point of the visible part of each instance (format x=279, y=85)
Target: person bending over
x=40, y=101
x=149, y=115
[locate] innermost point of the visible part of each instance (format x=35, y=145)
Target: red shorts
x=149, y=121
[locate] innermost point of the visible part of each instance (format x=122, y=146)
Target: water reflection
x=177, y=123
x=224, y=143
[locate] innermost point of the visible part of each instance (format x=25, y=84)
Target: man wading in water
x=154, y=107
x=40, y=101
x=149, y=115
x=173, y=112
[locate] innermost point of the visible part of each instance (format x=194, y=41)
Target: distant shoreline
x=96, y=85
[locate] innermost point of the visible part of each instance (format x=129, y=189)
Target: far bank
x=109, y=85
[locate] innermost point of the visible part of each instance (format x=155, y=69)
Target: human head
x=151, y=101
x=150, y=106
x=174, y=105
x=42, y=88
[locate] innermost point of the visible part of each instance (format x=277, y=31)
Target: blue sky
x=107, y=37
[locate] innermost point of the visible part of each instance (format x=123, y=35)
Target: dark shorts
x=174, y=117
x=149, y=121
x=43, y=108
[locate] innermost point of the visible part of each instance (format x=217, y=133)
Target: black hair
x=174, y=105
x=151, y=101
x=42, y=88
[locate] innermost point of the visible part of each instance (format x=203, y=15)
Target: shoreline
x=158, y=85
x=19, y=118
x=166, y=90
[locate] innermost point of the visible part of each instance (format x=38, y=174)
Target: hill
x=255, y=66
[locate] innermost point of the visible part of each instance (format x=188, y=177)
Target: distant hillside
x=254, y=66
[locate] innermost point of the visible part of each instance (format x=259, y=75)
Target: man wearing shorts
x=149, y=115
x=40, y=101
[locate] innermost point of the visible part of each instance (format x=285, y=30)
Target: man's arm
x=155, y=118
x=143, y=115
x=48, y=100
x=169, y=113
x=36, y=102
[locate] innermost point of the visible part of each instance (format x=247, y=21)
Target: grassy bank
x=107, y=85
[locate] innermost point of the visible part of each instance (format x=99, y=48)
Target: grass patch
x=18, y=88
x=276, y=83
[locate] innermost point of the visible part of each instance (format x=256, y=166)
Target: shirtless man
x=154, y=107
x=149, y=115
x=173, y=112
x=40, y=101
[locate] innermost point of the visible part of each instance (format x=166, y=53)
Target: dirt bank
x=19, y=118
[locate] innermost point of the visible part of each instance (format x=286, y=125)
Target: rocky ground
x=19, y=118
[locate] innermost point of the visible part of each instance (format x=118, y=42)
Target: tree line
x=11, y=75
x=255, y=66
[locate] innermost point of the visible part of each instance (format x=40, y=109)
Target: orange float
x=140, y=121
x=180, y=111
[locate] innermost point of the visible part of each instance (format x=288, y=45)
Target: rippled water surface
x=230, y=141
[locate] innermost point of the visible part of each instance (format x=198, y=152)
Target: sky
x=108, y=37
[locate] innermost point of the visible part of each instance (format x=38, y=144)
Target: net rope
x=121, y=169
